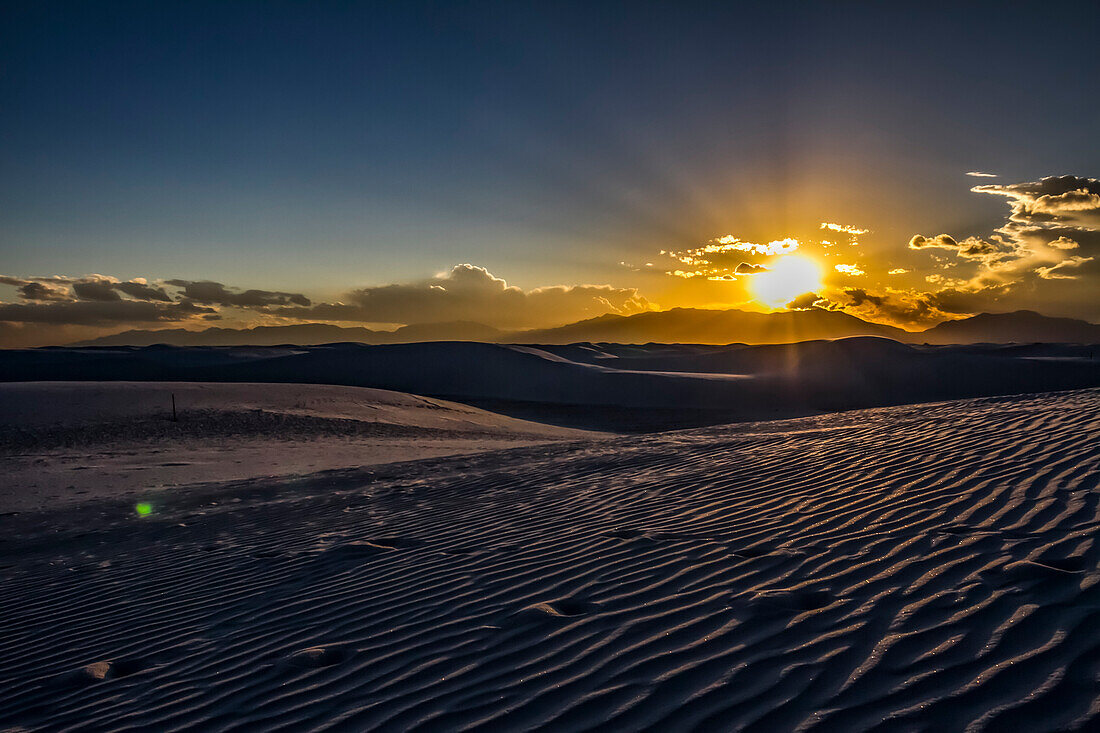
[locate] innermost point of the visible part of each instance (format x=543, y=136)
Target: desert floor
x=926, y=567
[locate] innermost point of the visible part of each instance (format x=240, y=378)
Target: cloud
x=471, y=293
x=854, y=233
x=943, y=241
x=1056, y=272
x=101, y=290
x=970, y=248
x=849, y=269
x=101, y=300
x=979, y=174
x=807, y=301
x=899, y=307
x=99, y=313
x=844, y=229
x=730, y=243
x=724, y=256
x=898, y=271
x=1062, y=200
x=209, y=292
x=34, y=289
x=140, y=290
x=1046, y=256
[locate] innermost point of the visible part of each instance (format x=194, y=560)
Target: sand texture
x=929, y=567
x=63, y=443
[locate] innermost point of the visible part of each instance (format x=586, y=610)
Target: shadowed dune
x=608, y=386
x=928, y=567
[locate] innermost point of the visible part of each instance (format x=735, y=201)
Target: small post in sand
x=174, y=418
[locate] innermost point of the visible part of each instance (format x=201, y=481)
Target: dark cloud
x=465, y=293
x=807, y=301
x=943, y=241
x=209, y=292
x=747, y=268
x=1064, y=200
x=30, y=289
x=97, y=313
x=90, y=287
x=101, y=290
x=899, y=307
x=140, y=291
x=971, y=248
x=42, y=291
x=470, y=293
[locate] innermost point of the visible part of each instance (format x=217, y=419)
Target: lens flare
x=785, y=280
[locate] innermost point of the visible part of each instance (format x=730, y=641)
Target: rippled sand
x=928, y=567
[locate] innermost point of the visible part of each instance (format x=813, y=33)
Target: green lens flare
x=144, y=508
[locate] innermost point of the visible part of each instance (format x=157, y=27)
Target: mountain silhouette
x=678, y=325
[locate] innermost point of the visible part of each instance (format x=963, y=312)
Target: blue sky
x=322, y=147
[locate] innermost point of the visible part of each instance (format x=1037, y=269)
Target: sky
x=523, y=165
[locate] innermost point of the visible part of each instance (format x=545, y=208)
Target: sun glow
x=785, y=280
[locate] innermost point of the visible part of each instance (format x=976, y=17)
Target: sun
x=785, y=280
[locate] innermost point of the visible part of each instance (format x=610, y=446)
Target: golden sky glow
x=1044, y=257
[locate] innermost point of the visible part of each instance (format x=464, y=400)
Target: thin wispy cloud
x=843, y=228
x=722, y=258
x=979, y=174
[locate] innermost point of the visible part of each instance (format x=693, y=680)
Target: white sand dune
x=927, y=567
x=68, y=442
x=616, y=387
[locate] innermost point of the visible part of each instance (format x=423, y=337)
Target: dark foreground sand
x=928, y=567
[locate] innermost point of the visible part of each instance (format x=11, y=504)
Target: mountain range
x=678, y=325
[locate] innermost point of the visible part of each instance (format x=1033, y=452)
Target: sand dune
x=609, y=386
x=929, y=567
x=68, y=442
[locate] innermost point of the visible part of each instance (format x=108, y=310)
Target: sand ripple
x=928, y=567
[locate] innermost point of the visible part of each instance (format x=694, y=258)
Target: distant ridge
x=303, y=334
x=697, y=326
x=678, y=325
x=1015, y=327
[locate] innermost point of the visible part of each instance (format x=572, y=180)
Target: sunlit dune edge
x=65, y=443
x=925, y=567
